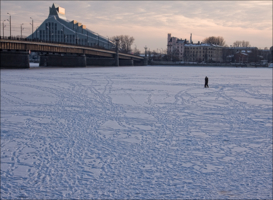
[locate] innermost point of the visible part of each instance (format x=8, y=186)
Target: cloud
x=142, y=18
x=162, y=13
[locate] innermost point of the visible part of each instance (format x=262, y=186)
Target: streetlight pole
x=145, y=59
x=32, y=28
x=9, y=25
x=3, y=27
x=145, y=51
x=22, y=30
x=117, y=53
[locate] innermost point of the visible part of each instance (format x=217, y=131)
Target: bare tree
x=164, y=54
x=215, y=40
x=154, y=55
x=125, y=42
x=241, y=44
x=136, y=51
x=237, y=44
x=164, y=51
x=245, y=44
x=175, y=55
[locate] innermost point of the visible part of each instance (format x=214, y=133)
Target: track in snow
x=136, y=132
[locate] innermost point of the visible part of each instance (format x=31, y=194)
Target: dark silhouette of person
x=206, y=82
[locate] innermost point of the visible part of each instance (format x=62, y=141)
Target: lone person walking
x=206, y=82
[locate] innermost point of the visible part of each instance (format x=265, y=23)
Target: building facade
x=186, y=50
x=56, y=28
x=240, y=54
x=176, y=47
x=202, y=52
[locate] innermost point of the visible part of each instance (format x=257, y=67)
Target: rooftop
x=57, y=10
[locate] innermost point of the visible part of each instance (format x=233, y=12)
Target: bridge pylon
x=14, y=59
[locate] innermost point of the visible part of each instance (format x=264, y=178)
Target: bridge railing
x=53, y=42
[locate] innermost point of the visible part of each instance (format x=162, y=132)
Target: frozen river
x=137, y=133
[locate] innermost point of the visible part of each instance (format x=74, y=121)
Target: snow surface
x=137, y=133
x=33, y=65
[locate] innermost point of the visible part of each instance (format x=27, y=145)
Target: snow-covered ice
x=137, y=133
x=33, y=65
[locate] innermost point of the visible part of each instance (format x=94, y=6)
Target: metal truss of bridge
x=15, y=54
x=56, y=28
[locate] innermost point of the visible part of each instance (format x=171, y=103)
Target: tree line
x=215, y=40
x=241, y=44
x=221, y=42
x=125, y=44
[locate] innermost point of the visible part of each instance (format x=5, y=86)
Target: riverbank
x=193, y=64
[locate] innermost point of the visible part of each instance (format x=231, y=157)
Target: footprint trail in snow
x=136, y=132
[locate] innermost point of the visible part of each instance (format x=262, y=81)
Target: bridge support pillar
x=14, y=59
x=145, y=61
x=141, y=62
x=63, y=60
x=100, y=61
x=117, y=60
x=117, y=53
x=126, y=62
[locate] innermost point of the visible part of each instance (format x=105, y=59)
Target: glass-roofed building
x=56, y=28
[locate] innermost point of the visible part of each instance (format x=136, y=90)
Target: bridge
x=15, y=54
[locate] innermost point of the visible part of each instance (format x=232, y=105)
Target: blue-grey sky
x=149, y=22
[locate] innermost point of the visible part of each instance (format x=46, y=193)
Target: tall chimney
x=169, y=37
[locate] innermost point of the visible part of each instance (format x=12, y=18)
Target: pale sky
x=149, y=22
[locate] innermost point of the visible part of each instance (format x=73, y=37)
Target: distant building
x=239, y=54
x=188, y=51
x=241, y=57
x=203, y=52
x=176, y=46
x=271, y=55
x=56, y=28
x=265, y=54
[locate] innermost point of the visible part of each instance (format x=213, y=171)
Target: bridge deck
x=61, y=48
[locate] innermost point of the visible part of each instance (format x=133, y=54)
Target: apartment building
x=202, y=52
x=186, y=50
x=176, y=46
